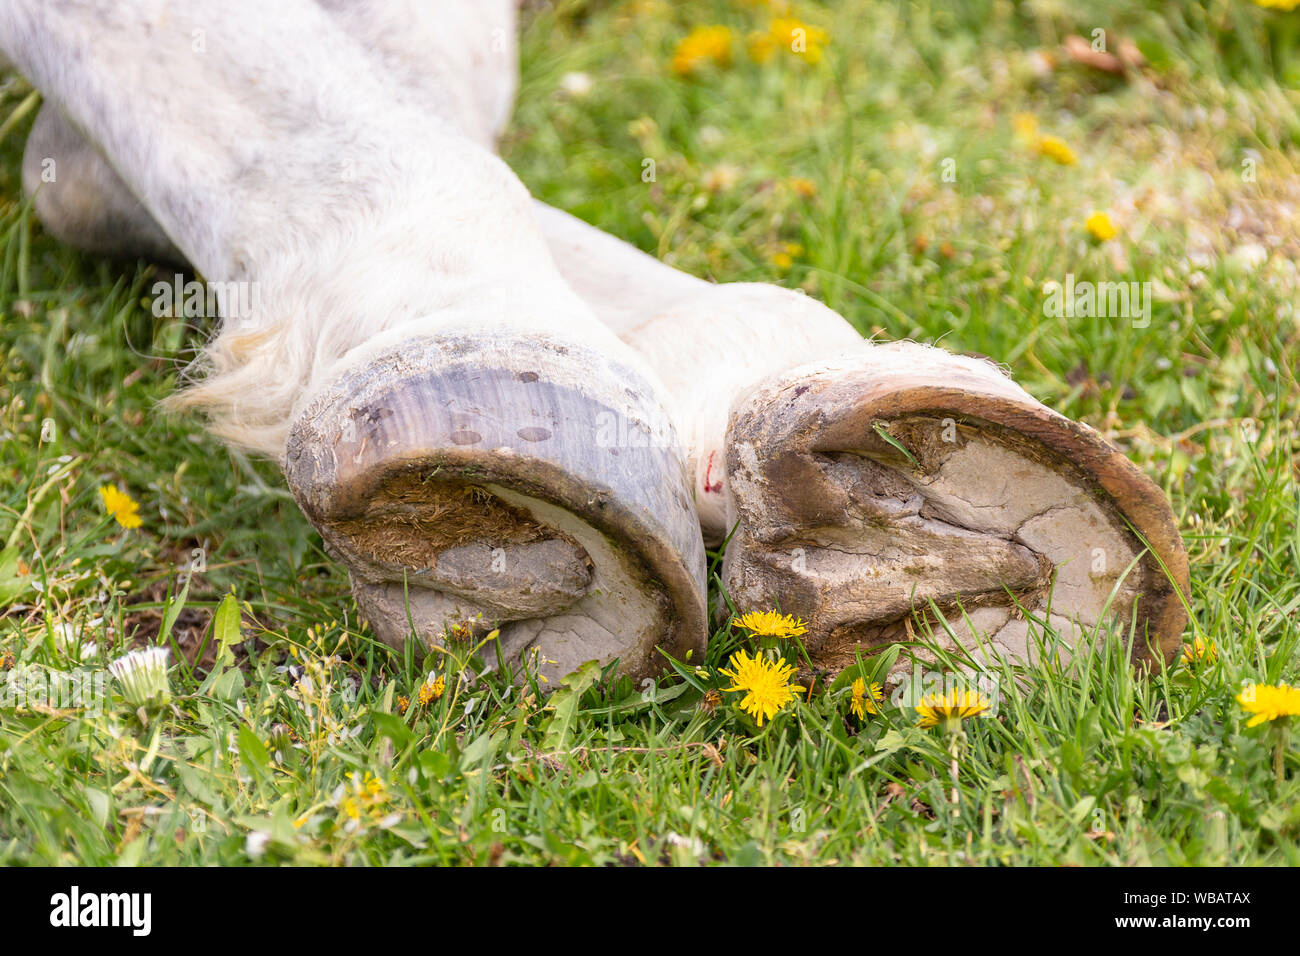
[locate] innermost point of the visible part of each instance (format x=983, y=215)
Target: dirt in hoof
x=414, y=518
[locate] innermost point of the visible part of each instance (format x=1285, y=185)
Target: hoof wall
x=469, y=484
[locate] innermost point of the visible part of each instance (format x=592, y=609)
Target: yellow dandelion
x=1283, y=5
x=761, y=46
x=1101, y=227
x=1269, y=702
x=951, y=708
x=770, y=624
x=784, y=259
x=1200, y=651
x=121, y=506
x=403, y=704
x=1056, y=149
x=351, y=807
x=865, y=698
x=431, y=689
x=365, y=797
x=702, y=46
x=799, y=38
x=1025, y=125
x=765, y=684
x=803, y=188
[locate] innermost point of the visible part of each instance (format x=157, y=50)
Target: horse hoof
x=512, y=482
x=906, y=479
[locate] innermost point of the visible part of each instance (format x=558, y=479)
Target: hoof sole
x=908, y=479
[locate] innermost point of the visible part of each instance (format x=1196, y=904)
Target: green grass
x=1084, y=763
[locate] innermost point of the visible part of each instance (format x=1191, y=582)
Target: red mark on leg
x=708, y=470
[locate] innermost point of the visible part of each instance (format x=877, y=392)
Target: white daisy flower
x=142, y=676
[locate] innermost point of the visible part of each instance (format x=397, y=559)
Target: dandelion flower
x=765, y=684
x=432, y=689
x=1101, y=227
x=1056, y=149
x=761, y=46
x=803, y=188
x=951, y=708
x=1025, y=125
x=702, y=46
x=1200, y=651
x=351, y=807
x=121, y=506
x=143, y=677
x=1284, y=5
x=784, y=259
x=364, y=799
x=403, y=704
x=1269, y=702
x=864, y=698
x=770, y=624
x=799, y=37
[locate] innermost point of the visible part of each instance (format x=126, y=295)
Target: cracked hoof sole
x=467, y=483
x=908, y=479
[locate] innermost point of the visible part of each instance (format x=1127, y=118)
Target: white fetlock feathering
x=142, y=676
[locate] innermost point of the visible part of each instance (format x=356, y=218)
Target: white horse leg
x=465, y=434
x=81, y=200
